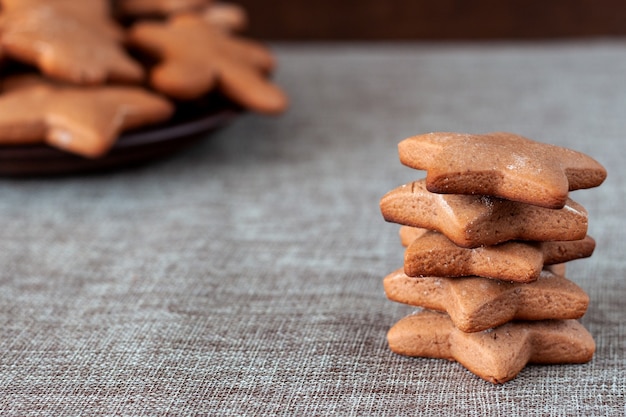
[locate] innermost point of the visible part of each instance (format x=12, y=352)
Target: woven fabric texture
x=243, y=276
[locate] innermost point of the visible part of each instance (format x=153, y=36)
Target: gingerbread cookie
x=82, y=120
x=408, y=234
x=475, y=304
x=502, y=165
x=436, y=255
x=196, y=56
x=496, y=355
x=65, y=47
x=472, y=220
x=95, y=13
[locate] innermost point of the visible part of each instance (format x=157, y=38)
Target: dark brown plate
x=191, y=122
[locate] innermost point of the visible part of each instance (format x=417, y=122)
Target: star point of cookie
x=433, y=254
x=500, y=164
x=83, y=120
x=475, y=304
x=473, y=220
x=196, y=57
x=496, y=355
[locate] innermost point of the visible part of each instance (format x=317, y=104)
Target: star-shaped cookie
x=408, y=234
x=500, y=164
x=495, y=355
x=82, y=120
x=473, y=220
x=475, y=304
x=95, y=13
x=66, y=47
x=196, y=57
x=433, y=254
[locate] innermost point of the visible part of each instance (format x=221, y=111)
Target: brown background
x=439, y=20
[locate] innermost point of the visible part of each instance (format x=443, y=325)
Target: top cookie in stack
x=500, y=165
x=495, y=225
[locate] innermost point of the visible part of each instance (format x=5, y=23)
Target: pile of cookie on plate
x=487, y=236
x=75, y=74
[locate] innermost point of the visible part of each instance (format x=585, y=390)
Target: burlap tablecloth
x=243, y=276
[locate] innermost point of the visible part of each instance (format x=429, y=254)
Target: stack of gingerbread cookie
x=77, y=73
x=487, y=233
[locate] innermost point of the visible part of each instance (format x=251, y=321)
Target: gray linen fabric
x=243, y=276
